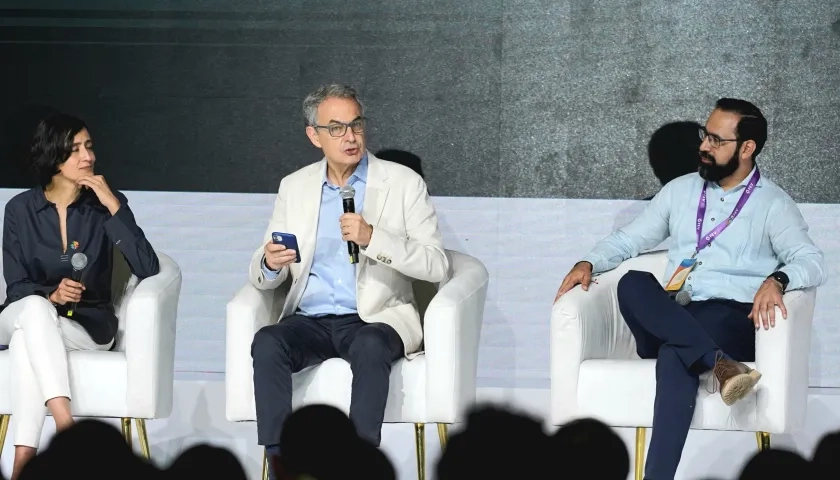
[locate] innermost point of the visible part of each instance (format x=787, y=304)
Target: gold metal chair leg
x=265, y=465
x=126, y=430
x=442, y=434
x=640, y=453
x=4, y=427
x=420, y=440
x=763, y=440
x=144, y=438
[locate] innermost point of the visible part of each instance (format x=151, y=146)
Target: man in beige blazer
x=364, y=312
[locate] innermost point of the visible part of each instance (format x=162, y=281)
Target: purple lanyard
x=704, y=241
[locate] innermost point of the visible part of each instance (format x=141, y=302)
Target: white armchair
x=435, y=387
x=135, y=380
x=594, y=362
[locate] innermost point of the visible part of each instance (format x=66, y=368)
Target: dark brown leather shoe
x=736, y=380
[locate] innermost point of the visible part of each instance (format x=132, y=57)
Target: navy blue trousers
x=683, y=340
x=299, y=342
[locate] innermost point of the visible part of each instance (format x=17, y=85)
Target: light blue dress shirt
x=769, y=232
x=331, y=286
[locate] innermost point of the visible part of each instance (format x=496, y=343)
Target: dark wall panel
x=520, y=98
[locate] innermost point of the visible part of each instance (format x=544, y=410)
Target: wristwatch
x=782, y=278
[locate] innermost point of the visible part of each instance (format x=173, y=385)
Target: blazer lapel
x=376, y=191
x=311, y=209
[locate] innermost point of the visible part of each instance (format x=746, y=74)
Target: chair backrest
x=425, y=291
x=123, y=283
x=2, y=285
x=423, y=294
x=120, y=276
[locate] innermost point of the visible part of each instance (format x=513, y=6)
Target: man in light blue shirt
x=738, y=243
x=331, y=287
x=326, y=321
x=357, y=306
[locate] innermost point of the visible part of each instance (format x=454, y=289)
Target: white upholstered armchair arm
x=248, y=311
x=584, y=325
x=588, y=325
x=781, y=355
x=452, y=327
x=150, y=316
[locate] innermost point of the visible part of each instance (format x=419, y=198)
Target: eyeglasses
x=714, y=140
x=339, y=129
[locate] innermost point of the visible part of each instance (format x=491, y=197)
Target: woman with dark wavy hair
x=51, y=307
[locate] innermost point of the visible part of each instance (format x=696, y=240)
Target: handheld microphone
x=79, y=261
x=347, y=193
x=683, y=297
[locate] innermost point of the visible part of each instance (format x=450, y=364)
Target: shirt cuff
x=794, y=280
x=268, y=273
x=597, y=263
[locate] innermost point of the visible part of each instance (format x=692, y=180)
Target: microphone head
x=347, y=192
x=683, y=297
x=79, y=261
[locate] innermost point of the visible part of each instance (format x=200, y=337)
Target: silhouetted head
x=369, y=462
x=78, y=452
x=590, y=446
x=672, y=150
x=205, y=461
x=827, y=455
x=406, y=159
x=495, y=444
x=733, y=137
x=776, y=463
x=316, y=425
x=318, y=440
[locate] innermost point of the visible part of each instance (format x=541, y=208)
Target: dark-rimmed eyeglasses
x=339, y=129
x=714, y=140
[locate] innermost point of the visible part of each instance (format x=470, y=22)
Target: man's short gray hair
x=314, y=99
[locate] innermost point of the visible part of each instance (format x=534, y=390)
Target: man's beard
x=714, y=172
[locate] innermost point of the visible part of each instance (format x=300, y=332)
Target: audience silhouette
x=776, y=463
x=92, y=450
x=583, y=445
x=497, y=444
x=205, y=461
x=826, y=459
x=319, y=442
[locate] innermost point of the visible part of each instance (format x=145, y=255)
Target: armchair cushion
x=329, y=383
x=621, y=394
